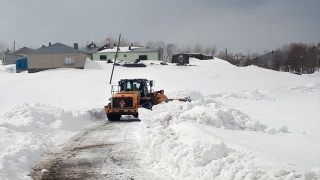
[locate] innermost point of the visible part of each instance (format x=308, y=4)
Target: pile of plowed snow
x=28, y=131
x=207, y=111
x=162, y=134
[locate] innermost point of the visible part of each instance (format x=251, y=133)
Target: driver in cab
x=135, y=88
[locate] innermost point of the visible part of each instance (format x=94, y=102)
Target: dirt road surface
x=107, y=150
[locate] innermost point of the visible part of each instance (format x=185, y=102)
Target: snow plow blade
x=186, y=99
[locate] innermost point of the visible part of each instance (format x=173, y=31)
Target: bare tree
x=197, y=48
x=170, y=50
x=207, y=50
x=222, y=55
x=158, y=46
x=136, y=43
x=3, y=46
x=186, y=49
x=214, y=50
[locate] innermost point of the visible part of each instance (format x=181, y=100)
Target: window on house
x=103, y=57
x=68, y=60
x=143, y=57
x=125, y=55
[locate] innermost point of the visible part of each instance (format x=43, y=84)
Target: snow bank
x=90, y=64
x=8, y=68
x=200, y=159
x=253, y=94
x=207, y=111
x=307, y=87
x=28, y=131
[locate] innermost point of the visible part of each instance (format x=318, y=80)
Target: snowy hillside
x=242, y=122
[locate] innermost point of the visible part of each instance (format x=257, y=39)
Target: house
x=9, y=57
x=93, y=48
x=3, y=54
x=23, y=51
x=56, y=56
x=127, y=53
x=270, y=60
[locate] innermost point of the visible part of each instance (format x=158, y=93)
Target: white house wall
x=125, y=56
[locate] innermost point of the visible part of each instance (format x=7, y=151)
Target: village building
x=56, y=56
x=128, y=53
x=9, y=57
x=93, y=48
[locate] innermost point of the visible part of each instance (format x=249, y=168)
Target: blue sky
x=246, y=26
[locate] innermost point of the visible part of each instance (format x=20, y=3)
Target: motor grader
x=130, y=95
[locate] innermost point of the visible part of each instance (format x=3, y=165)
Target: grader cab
x=130, y=95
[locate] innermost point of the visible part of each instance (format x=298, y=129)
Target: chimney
x=114, y=44
x=75, y=45
x=131, y=44
x=129, y=47
x=49, y=43
x=7, y=49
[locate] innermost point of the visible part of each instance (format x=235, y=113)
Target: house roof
x=93, y=48
x=56, y=48
x=23, y=50
x=143, y=49
x=89, y=49
x=5, y=52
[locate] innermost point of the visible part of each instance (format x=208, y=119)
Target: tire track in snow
x=104, y=151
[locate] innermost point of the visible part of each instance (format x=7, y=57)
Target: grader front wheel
x=136, y=115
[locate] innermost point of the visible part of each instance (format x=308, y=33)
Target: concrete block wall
x=39, y=62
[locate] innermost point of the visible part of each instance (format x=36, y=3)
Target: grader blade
x=186, y=99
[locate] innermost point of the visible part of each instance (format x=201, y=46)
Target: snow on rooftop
x=122, y=49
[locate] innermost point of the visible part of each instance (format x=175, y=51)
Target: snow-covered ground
x=242, y=122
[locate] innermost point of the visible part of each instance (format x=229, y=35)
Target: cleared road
x=107, y=150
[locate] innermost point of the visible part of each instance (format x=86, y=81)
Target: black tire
x=113, y=117
x=136, y=115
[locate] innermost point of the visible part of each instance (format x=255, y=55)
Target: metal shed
x=21, y=65
x=180, y=59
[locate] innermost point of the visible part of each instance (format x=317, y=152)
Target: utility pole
x=14, y=46
x=115, y=59
x=226, y=54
